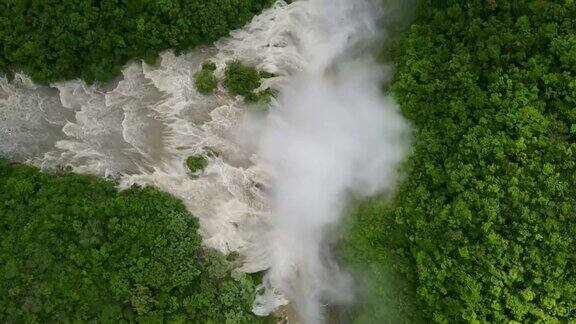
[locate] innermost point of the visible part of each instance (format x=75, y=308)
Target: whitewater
x=275, y=186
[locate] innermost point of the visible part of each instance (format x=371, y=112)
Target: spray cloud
x=333, y=135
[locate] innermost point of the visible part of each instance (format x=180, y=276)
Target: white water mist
x=333, y=135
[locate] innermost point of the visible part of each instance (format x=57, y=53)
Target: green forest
x=58, y=40
x=74, y=249
x=481, y=229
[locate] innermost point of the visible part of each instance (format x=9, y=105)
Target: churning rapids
x=275, y=185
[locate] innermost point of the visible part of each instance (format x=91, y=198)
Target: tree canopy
x=484, y=224
x=73, y=249
x=92, y=39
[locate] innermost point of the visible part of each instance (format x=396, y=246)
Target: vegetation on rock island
x=205, y=80
x=196, y=163
x=244, y=80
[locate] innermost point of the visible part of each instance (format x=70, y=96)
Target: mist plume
x=332, y=136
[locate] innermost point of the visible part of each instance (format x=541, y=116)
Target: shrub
x=73, y=249
x=241, y=79
x=205, y=81
x=209, y=65
x=196, y=163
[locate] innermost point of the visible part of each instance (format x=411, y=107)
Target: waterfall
x=274, y=185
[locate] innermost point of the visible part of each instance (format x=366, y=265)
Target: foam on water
x=31, y=118
x=142, y=130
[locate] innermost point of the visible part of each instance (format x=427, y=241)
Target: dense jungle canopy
x=484, y=225
x=74, y=249
x=92, y=39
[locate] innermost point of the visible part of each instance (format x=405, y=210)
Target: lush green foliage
x=388, y=296
x=244, y=80
x=205, y=81
x=73, y=249
x=65, y=39
x=485, y=219
x=196, y=163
